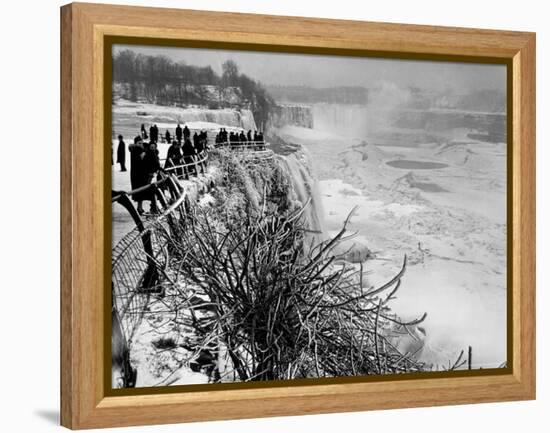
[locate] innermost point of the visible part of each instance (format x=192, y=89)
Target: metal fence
x=182, y=171
x=140, y=260
x=244, y=145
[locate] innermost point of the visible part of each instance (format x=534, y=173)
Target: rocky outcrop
x=240, y=118
x=129, y=115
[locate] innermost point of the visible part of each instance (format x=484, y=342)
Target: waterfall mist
x=362, y=120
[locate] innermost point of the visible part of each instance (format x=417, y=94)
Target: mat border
x=87, y=33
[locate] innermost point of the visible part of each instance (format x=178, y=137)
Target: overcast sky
x=328, y=71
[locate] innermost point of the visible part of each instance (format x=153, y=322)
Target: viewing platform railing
x=140, y=259
x=183, y=170
x=244, y=145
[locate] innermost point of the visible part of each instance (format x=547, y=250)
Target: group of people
x=145, y=162
x=182, y=158
x=184, y=133
x=153, y=133
x=186, y=152
x=223, y=137
x=238, y=139
x=144, y=165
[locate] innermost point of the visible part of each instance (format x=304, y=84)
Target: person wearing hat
x=121, y=153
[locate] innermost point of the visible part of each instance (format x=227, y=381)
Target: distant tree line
x=311, y=95
x=160, y=80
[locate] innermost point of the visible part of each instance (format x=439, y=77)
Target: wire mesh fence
x=135, y=275
x=138, y=265
x=140, y=260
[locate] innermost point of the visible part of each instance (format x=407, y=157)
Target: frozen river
x=449, y=219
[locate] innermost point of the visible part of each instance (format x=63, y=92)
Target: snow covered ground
x=451, y=223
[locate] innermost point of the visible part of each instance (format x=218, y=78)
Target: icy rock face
x=305, y=187
x=247, y=120
x=287, y=114
x=128, y=116
x=242, y=118
x=306, y=190
x=197, y=187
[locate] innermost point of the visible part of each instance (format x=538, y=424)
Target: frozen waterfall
x=305, y=188
x=345, y=119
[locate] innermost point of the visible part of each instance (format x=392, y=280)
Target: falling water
x=348, y=120
x=305, y=188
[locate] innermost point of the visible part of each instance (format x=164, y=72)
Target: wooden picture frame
x=85, y=401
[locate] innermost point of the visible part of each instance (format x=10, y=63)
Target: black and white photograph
x=281, y=216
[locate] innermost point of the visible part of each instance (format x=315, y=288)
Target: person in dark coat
x=219, y=137
x=138, y=176
x=168, y=137
x=151, y=160
x=179, y=133
x=186, y=133
x=188, y=154
x=174, y=157
x=151, y=165
x=200, y=148
x=233, y=138
x=121, y=153
x=199, y=144
x=154, y=134
x=196, y=139
x=143, y=132
x=249, y=135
